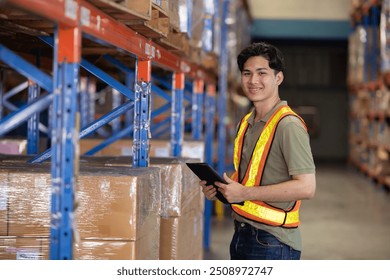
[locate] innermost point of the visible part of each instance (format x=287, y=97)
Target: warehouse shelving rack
x=74, y=20
x=370, y=114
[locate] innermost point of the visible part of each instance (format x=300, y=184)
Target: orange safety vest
x=260, y=211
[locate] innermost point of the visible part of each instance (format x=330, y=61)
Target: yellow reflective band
x=261, y=143
x=238, y=140
x=292, y=217
x=269, y=215
x=263, y=212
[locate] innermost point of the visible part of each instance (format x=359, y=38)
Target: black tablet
x=206, y=173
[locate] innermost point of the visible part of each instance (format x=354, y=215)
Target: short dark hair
x=269, y=52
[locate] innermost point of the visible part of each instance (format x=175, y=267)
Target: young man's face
x=259, y=81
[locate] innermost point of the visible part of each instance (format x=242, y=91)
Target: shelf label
x=150, y=50
x=85, y=15
x=185, y=68
x=28, y=255
x=71, y=9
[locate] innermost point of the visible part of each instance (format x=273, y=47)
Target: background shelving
x=369, y=89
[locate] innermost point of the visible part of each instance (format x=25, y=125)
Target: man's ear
x=279, y=77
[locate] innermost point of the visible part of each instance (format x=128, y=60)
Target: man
x=274, y=167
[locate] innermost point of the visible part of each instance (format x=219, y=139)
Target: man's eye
x=246, y=74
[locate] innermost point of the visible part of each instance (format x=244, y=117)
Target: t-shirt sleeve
x=296, y=148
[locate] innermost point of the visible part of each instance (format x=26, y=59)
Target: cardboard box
x=120, y=203
x=182, y=205
x=24, y=248
x=178, y=183
x=31, y=248
x=181, y=237
x=19, y=146
x=13, y=146
x=108, y=250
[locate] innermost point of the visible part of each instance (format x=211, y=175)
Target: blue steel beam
x=129, y=77
x=125, y=69
x=162, y=127
x=1, y=92
x=209, y=137
x=66, y=69
x=16, y=118
x=26, y=69
x=161, y=93
x=91, y=128
x=177, y=115
x=374, y=49
x=197, y=110
x=12, y=107
x=116, y=101
x=63, y=172
x=167, y=83
x=98, y=73
x=118, y=64
x=117, y=136
x=129, y=81
x=154, y=88
x=9, y=105
x=188, y=95
x=141, y=132
x=160, y=110
x=197, y=114
x=15, y=90
x=128, y=105
x=163, y=131
x=222, y=86
x=155, y=127
x=91, y=97
x=84, y=102
x=107, y=79
x=33, y=121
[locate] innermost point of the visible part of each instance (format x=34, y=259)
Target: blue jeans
x=249, y=243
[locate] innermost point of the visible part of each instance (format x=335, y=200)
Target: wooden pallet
x=148, y=19
x=125, y=9
x=156, y=27
x=14, y=21
x=175, y=42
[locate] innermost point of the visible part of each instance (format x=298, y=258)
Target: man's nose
x=253, y=79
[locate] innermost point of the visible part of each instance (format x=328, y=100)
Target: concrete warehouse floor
x=348, y=219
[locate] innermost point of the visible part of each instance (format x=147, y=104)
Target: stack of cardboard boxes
x=121, y=212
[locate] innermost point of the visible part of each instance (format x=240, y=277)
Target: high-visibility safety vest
x=260, y=211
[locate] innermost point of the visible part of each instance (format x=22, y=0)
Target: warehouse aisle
x=349, y=218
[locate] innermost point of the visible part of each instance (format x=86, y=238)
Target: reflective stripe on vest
x=257, y=210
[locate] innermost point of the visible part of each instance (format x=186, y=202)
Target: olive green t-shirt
x=290, y=154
